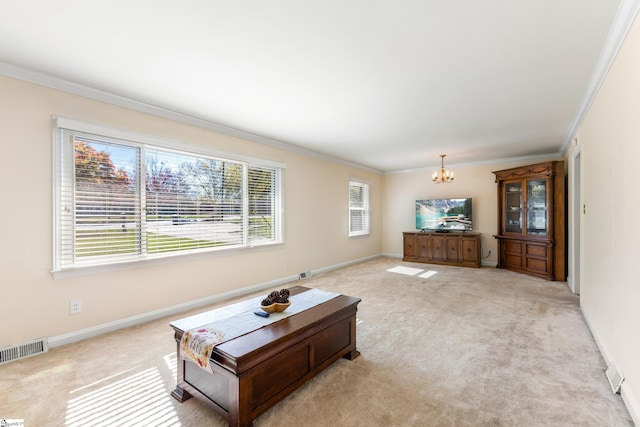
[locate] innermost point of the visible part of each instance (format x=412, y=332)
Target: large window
x=358, y=209
x=122, y=198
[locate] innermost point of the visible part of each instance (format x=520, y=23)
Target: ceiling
x=386, y=84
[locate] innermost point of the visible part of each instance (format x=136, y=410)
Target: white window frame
x=363, y=208
x=63, y=172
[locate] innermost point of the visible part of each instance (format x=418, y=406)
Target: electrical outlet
x=75, y=307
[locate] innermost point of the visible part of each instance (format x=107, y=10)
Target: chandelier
x=443, y=176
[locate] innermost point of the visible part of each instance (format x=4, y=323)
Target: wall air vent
x=20, y=351
x=305, y=274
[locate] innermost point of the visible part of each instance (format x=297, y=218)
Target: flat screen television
x=444, y=215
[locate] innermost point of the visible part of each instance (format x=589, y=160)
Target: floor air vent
x=20, y=351
x=614, y=377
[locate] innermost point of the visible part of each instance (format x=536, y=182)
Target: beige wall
x=35, y=305
x=609, y=149
x=401, y=190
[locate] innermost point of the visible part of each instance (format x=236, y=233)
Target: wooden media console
x=451, y=248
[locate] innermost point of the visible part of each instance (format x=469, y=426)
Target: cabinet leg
x=352, y=354
x=180, y=395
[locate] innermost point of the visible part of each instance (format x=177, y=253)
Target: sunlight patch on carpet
x=427, y=274
x=405, y=270
x=136, y=399
x=171, y=360
x=410, y=271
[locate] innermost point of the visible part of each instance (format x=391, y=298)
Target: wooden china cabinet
x=531, y=220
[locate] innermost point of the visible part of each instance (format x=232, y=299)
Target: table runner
x=239, y=319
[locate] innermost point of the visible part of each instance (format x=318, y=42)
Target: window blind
x=119, y=200
x=358, y=208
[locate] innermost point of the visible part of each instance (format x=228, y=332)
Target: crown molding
x=63, y=85
x=620, y=27
x=625, y=16
x=520, y=159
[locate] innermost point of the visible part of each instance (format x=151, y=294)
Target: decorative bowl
x=276, y=307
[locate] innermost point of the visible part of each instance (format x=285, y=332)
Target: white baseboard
x=163, y=312
x=628, y=397
x=393, y=255
x=571, y=284
x=343, y=264
x=94, y=331
x=631, y=402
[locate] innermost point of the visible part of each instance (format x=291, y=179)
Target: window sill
x=169, y=259
x=359, y=234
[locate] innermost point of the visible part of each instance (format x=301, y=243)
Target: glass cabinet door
x=513, y=207
x=537, y=207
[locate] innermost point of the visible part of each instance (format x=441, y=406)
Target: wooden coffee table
x=253, y=372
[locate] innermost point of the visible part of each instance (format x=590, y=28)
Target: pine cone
x=274, y=295
x=284, y=295
x=267, y=301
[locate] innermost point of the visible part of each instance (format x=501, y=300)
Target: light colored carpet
x=461, y=347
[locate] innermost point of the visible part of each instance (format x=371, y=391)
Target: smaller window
x=358, y=208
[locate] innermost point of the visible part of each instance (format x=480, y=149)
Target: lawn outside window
x=122, y=197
